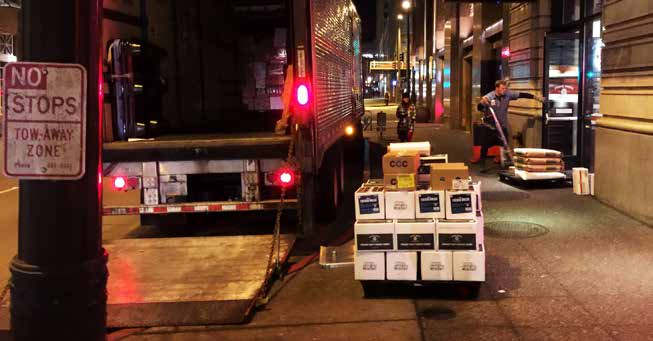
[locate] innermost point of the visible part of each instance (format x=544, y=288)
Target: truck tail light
x=285, y=177
x=303, y=93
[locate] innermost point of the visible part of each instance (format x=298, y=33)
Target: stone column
x=528, y=22
x=451, y=73
x=483, y=67
x=624, y=135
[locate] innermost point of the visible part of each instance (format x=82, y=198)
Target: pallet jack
x=507, y=156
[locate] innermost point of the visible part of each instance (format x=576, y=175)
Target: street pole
x=58, y=278
x=408, y=75
x=397, y=94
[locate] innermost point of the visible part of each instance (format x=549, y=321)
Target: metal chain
x=276, y=237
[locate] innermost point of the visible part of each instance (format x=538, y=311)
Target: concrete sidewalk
x=560, y=267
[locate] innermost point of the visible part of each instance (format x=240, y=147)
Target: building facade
x=591, y=58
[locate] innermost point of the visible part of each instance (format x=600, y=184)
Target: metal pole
x=397, y=94
x=408, y=74
x=58, y=278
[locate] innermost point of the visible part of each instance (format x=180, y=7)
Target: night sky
x=367, y=12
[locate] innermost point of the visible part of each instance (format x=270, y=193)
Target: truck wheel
x=328, y=198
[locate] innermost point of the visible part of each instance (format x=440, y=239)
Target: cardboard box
x=476, y=186
x=443, y=175
x=430, y=204
x=590, y=179
x=460, y=204
x=399, y=182
x=401, y=266
x=369, y=266
x=480, y=228
x=436, y=265
x=400, y=205
x=424, y=171
x=401, y=162
x=370, y=203
x=457, y=234
x=469, y=265
x=374, y=235
x=581, y=181
x=415, y=234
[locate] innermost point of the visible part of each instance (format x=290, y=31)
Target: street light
x=407, y=6
x=400, y=16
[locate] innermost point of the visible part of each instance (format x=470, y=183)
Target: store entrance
x=560, y=128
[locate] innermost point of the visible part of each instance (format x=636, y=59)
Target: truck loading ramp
x=183, y=281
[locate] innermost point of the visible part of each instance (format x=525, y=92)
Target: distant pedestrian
x=387, y=98
x=403, y=117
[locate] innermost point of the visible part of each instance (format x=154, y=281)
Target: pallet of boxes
x=419, y=231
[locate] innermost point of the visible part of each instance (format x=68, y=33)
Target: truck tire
x=329, y=194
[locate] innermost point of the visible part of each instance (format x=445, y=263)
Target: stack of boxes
x=415, y=230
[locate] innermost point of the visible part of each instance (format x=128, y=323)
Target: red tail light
x=119, y=183
x=303, y=93
x=285, y=177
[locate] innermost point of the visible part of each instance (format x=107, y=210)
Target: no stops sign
x=44, y=121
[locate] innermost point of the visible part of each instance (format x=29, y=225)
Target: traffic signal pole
x=58, y=278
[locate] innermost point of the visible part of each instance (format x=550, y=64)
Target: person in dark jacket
x=499, y=99
x=403, y=117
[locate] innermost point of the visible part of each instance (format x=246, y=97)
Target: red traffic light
x=119, y=183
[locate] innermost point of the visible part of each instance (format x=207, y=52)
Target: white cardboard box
x=429, y=204
x=469, y=265
x=369, y=266
x=460, y=204
x=370, y=202
x=374, y=235
x=401, y=266
x=415, y=234
x=457, y=234
x=479, y=200
x=580, y=177
x=480, y=228
x=437, y=265
x=400, y=205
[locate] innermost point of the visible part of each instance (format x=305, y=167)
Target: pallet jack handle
x=501, y=134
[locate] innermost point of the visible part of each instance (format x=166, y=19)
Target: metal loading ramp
x=187, y=281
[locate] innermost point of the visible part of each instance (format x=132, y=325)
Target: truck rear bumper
x=199, y=207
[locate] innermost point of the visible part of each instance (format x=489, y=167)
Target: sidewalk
x=559, y=266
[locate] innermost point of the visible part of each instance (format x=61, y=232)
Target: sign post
x=53, y=140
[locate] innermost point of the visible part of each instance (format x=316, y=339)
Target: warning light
x=349, y=130
x=119, y=183
x=302, y=94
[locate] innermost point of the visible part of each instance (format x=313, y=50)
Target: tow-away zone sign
x=44, y=121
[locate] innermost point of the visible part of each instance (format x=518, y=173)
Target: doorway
x=560, y=128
